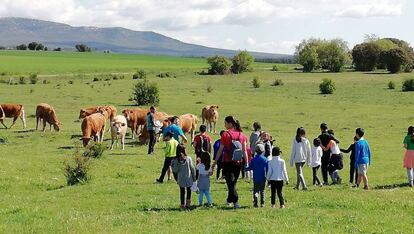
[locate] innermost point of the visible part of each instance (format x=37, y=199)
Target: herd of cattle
x=95, y=119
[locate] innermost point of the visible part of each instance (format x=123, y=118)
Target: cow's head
x=127, y=113
x=85, y=141
x=56, y=126
x=103, y=111
x=118, y=126
x=82, y=113
x=214, y=107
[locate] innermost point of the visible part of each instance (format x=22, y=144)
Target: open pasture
x=121, y=196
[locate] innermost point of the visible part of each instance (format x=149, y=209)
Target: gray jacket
x=185, y=172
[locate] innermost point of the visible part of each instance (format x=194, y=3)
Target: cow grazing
x=210, y=116
x=188, y=124
x=118, y=130
x=46, y=113
x=93, y=126
x=84, y=112
x=136, y=119
x=14, y=111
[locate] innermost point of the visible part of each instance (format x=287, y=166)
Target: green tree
x=333, y=55
x=395, y=59
x=21, y=47
x=82, y=48
x=219, y=65
x=365, y=56
x=32, y=45
x=242, y=62
x=308, y=58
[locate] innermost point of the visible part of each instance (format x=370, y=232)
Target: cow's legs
x=112, y=143
x=123, y=142
x=23, y=118
x=44, y=125
x=214, y=127
x=14, y=122
x=37, y=123
x=1, y=121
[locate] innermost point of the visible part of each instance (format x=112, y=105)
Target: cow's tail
x=2, y=114
x=23, y=117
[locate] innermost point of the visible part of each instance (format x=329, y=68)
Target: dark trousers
x=324, y=166
x=231, y=172
x=276, y=186
x=152, y=140
x=258, y=189
x=165, y=167
x=353, y=173
x=315, y=180
x=182, y=194
x=218, y=170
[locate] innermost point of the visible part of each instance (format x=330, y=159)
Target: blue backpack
x=236, y=149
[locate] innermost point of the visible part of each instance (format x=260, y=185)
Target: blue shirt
x=150, y=121
x=216, y=148
x=259, y=167
x=175, y=129
x=362, y=152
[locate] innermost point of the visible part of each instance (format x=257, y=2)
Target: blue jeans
x=201, y=194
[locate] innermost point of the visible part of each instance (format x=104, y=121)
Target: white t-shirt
x=316, y=156
x=202, y=169
x=335, y=148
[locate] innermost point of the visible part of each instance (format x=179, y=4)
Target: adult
x=151, y=130
x=409, y=155
x=176, y=129
x=301, y=154
x=231, y=168
x=325, y=137
x=202, y=142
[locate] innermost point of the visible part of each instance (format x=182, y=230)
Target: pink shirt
x=226, y=140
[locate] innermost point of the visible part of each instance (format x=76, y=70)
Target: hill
x=14, y=31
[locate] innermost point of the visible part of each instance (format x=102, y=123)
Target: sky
x=273, y=26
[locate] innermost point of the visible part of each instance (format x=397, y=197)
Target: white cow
x=118, y=130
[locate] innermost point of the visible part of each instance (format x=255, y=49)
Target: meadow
x=121, y=196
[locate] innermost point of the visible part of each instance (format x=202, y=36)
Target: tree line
x=37, y=46
x=392, y=54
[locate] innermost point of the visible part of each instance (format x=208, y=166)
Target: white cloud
x=370, y=10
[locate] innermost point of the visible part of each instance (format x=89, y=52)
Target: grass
x=121, y=196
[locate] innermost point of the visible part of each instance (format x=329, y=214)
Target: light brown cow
x=136, y=119
x=93, y=126
x=210, y=116
x=188, y=124
x=46, y=113
x=111, y=110
x=158, y=116
x=14, y=111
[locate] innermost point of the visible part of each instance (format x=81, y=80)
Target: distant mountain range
x=15, y=31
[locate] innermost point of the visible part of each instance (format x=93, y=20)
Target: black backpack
x=204, y=145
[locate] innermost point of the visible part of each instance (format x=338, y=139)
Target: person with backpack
x=234, y=144
x=202, y=143
x=409, y=155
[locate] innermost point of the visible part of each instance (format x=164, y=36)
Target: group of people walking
x=235, y=154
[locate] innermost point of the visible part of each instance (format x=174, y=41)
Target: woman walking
x=234, y=144
x=409, y=155
x=301, y=153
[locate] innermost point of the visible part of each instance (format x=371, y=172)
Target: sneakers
x=157, y=181
x=236, y=205
x=366, y=187
x=273, y=206
x=282, y=207
x=182, y=207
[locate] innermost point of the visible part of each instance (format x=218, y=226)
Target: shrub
x=408, y=85
x=95, y=79
x=71, y=82
x=44, y=81
x=219, y=65
x=146, y=93
x=277, y=82
x=3, y=73
x=256, y=82
x=22, y=80
x=94, y=150
x=327, y=86
x=275, y=68
x=395, y=59
x=31, y=91
x=3, y=140
x=77, y=171
x=166, y=75
x=2, y=81
x=242, y=62
x=140, y=74
x=391, y=85
x=33, y=78
x=210, y=89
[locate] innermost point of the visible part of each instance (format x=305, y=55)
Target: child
x=352, y=170
x=315, y=161
x=259, y=167
x=335, y=160
x=255, y=136
x=183, y=166
x=276, y=174
x=362, y=157
x=216, y=147
x=203, y=182
x=202, y=142
x=170, y=153
x=268, y=144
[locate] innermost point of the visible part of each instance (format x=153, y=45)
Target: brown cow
x=46, y=113
x=188, y=124
x=210, y=116
x=12, y=111
x=94, y=126
x=158, y=116
x=136, y=119
x=111, y=110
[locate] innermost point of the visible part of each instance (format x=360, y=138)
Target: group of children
x=266, y=165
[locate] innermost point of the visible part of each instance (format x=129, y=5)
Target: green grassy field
x=121, y=196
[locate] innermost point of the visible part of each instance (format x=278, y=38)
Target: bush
x=391, y=85
x=94, y=150
x=71, y=82
x=275, y=68
x=408, y=85
x=327, y=86
x=44, y=81
x=219, y=65
x=166, y=75
x=3, y=73
x=95, y=79
x=77, y=171
x=3, y=140
x=242, y=62
x=209, y=89
x=140, y=74
x=2, y=81
x=395, y=59
x=33, y=78
x=146, y=93
x=22, y=80
x=277, y=82
x=256, y=82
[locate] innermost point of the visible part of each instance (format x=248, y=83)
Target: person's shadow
x=391, y=186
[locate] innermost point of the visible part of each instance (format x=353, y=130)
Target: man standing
x=151, y=130
x=362, y=157
x=325, y=137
